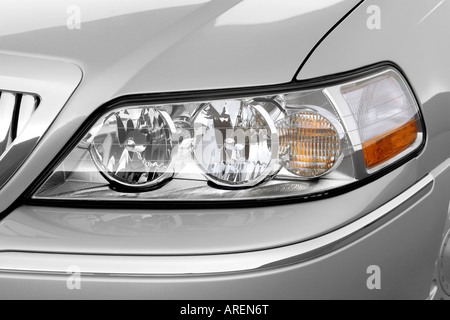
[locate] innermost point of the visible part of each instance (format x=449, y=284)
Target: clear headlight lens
x=283, y=144
x=235, y=143
x=135, y=147
x=386, y=122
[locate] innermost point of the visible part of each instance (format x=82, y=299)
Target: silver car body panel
x=54, y=263
x=183, y=232
x=235, y=230
x=405, y=248
x=53, y=82
x=188, y=47
x=173, y=45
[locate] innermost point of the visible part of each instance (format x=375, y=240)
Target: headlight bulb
x=310, y=143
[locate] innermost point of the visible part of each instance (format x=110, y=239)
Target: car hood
x=172, y=45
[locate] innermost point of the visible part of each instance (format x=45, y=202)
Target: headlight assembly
x=283, y=144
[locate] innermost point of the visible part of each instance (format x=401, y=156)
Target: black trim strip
x=134, y=100
x=325, y=37
x=15, y=121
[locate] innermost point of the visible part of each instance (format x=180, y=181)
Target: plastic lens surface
x=310, y=142
x=296, y=143
x=387, y=117
x=236, y=143
x=135, y=147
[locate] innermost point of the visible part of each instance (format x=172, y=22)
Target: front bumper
x=402, y=237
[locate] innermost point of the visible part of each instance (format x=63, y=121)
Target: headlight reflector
x=235, y=143
x=135, y=148
x=310, y=142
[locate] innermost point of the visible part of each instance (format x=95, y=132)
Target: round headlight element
x=235, y=143
x=309, y=143
x=135, y=148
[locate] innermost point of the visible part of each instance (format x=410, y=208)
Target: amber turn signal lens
x=385, y=147
x=310, y=142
